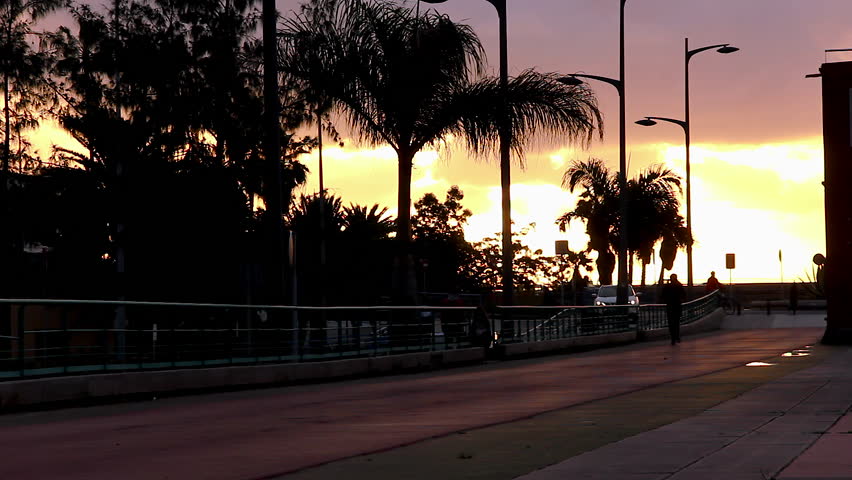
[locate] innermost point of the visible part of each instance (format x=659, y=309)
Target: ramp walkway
x=500, y=420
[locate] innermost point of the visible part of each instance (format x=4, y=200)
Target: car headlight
x=634, y=302
x=599, y=303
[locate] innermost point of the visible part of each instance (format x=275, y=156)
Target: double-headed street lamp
x=505, y=132
x=621, y=296
x=649, y=121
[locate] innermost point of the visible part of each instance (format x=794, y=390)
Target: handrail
x=50, y=301
x=82, y=336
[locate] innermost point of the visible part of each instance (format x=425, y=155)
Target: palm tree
x=367, y=224
x=598, y=207
x=411, y=82
x=653, y=204
x=675, y=236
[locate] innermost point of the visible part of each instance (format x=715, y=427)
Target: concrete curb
x=21, y=393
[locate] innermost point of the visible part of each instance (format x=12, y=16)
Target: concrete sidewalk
x=759, y=435
x=759, y=319
x=494, y=421
x=513, y=449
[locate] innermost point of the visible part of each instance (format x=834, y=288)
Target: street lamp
x=505, y=145
x=621, y=295
x=649, y=121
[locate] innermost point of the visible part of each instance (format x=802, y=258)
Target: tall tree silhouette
x=184, y=122
x=653, y=204
x=23, y=81
x=439, y=242
x=412, y=81
x=598, y=207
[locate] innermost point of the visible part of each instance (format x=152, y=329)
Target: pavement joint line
x=778, y=414
x=819, y=435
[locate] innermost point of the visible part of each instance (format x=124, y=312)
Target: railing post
x=230, y=341
x=172, y=342
x=21, y=340
x=66, y=338
x=339, y=332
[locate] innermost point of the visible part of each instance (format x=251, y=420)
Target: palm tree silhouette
x=653, y=204
x=414, y=81
x=598, y=207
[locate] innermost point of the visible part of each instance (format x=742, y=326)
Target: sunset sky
x=756, y=122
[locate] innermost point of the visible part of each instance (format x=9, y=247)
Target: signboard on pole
x=730, y=261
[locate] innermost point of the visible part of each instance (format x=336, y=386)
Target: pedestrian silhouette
x=713, y=283
x=673, y=295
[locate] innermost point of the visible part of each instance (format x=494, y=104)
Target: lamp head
x=646, y=122
x=570, y=80
x=728, y=49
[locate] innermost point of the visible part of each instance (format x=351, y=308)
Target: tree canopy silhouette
x=413, y=82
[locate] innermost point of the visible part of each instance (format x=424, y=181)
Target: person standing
x=673, y=295
x=713, y=283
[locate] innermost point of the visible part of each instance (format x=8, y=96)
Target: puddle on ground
x=799, y=352
x=760, y=364
x=796, y=353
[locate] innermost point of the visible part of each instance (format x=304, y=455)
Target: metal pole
x=505, y=160
x=621, y=291
x=120, y=322
x=322, y=205
x=688, y=171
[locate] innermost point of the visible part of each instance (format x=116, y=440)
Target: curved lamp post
x=621, y=290
x=649, y=121
x=505, y=162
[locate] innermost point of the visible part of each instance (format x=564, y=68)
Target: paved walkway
x=758, y=435
x=531, y=410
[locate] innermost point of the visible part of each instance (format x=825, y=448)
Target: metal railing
x=60, y=337
x=534, y=324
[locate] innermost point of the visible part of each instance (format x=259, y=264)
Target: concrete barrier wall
x=21, y=393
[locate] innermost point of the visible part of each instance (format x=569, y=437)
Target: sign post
x=731, y=264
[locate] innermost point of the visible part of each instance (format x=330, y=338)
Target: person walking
x=673, y=295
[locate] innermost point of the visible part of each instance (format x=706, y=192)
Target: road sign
x=730, y=261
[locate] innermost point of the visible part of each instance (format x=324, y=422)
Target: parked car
x=607, y=295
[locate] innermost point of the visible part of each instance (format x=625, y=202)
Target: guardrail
x=59, y=337
x=534, y=324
